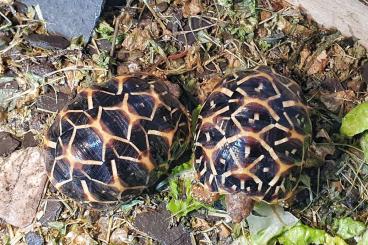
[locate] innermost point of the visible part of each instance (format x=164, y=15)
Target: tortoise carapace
x=113, y=141
x=250, y=136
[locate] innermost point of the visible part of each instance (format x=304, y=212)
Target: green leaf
x=364, y=239
x=58, y=225
x=181, y=168
x=330, y=240
x=174, y=188
x=270, y=222
x=178, y=206
x=242, y=240
x=304, y=235
x=348, y=228
x=105, y=30
x=195, y=115
x=102, y=59
x=356, y=121
x=364, y=145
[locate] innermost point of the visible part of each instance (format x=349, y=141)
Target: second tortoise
x=251, y=139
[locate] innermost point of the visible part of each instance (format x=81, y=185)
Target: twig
x=116, y=29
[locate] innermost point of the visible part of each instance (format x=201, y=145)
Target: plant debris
x=192, y=44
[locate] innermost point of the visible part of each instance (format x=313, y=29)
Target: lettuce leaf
x=268, y=222
x=356, y=121
x=348, y=228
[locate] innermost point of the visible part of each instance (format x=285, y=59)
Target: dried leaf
x=192, y=7
x=137, y=40
x=319, y=63
x=334, y=101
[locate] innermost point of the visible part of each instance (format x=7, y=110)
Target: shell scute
x=264, y=123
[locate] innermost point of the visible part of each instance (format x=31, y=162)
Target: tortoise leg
x=238, y=206
x=202, y=194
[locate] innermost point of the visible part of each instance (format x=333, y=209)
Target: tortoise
x=113, y=141
x=251, y=138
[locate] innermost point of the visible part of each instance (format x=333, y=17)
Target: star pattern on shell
x=251, y=134
x=113, y=141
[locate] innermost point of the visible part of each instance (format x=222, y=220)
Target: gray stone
x=52, y=212
x=47, y=41
x=7, y=143
x=32, y=238
x=69, y=18
x=156, y=223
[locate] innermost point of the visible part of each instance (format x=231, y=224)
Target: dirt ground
x=192, y=44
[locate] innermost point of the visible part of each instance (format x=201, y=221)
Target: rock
x=32, y=238
x=22, y=181
x=7, y=143
x=156, y=223
x=47, y=41
x=29, y=140
x=52, y=212
x=70, y=18
x=238, y=206
x=104, y=45
x=50, y=102
x=336, y=14
x=41, y=68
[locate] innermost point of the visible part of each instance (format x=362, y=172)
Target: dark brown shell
x=251, y=135
x=112, y=142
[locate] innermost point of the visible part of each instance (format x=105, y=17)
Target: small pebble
x=47, y=41
x=104, y=45
x=52, y=212
x=29, y=140
x=7, y=143
x=32, y=238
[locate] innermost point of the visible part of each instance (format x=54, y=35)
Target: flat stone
x=47, y=41
x=22, y=181
x=69, y=18
x=156, y=223
x=29, y=140
x=7, y=143
x=52, y=212
x=32, y=238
